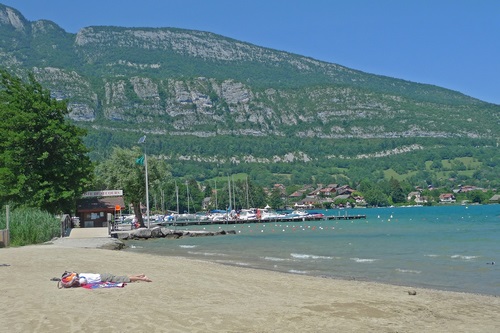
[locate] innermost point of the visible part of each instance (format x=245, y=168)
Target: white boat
x=247, y=215
x=296, y=214
x=219, y=216
x=200, y=216
x=269, y=214
x=127, y=219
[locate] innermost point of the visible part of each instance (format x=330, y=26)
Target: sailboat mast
x=216, y=203
x=234, y=195
x=177, y=196
x=187, y=192
x=229, y=189
x=162, y=201
x=248, y=200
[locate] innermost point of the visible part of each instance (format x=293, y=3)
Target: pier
x=238, y=221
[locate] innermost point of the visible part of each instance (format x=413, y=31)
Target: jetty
x=163, y=232
x=272, y=220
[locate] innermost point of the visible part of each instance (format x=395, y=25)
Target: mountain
x=208, y=98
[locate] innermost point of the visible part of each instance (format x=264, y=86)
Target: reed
x=30, y=226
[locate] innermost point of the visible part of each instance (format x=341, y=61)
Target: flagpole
x=143, y=140
x=147, y=185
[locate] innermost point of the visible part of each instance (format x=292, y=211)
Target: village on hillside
x=343, y=196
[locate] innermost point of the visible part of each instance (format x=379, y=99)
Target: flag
x=140, y=160
x=142, y=139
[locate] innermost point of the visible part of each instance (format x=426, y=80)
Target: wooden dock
x=237, y=221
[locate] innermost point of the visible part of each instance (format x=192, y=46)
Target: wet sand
x=194, y=296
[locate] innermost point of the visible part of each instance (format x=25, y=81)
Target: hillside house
x=417, y=197
x=447, y=198
x=360, y=201
x=316, y=191
x=342, y=197
x=468, y=188
x=328, y=191
x=281, y=188
x=495, y=198
x=309, y=202
x=297, y=194
x=345, y=189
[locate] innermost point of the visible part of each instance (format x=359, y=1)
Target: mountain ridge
x=208, y=89
x=136, y=79
x=178, y=39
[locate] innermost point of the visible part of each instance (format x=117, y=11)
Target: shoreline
x=340, y=278
x=321, y=276
x=191, y=295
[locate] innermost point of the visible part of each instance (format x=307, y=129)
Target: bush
x=30, y=226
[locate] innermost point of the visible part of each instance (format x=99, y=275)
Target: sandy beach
x=194, y=296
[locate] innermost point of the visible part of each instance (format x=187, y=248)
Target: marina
x=312, y=217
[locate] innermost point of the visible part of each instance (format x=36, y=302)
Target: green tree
x=276, y=198
x=477, y=196
x=43, y=161
x=257, y=195
x=365, y=185
x=437, y=164
x=194, y=196
x=207, y=192
x=431, y=195
x=375, y=197
x=397, y=193
x=121, y=171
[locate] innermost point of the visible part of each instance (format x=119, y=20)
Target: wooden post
x=5, y=237
x=7, y=215
x=7, y=243
x=62, y=225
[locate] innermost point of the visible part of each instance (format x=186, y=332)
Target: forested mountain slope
x=202, y=97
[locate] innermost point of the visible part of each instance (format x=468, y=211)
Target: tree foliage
x=478, y=196
x=482, y=166
x=43, y=161
x=121, y=171
x=397, y=193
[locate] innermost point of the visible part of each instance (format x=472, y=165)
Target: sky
x=453, y=44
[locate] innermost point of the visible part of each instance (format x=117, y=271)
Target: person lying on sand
x=73, y=279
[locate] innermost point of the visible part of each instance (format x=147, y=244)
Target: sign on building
x=105, y=193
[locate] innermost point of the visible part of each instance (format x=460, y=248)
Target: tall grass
x=30, y=226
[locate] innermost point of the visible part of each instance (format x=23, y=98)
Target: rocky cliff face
x=12, y=18
x=190, y=82
x=196, y=44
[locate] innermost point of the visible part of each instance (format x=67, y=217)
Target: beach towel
x=104, y=285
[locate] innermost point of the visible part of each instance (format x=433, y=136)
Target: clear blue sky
x=449, y=43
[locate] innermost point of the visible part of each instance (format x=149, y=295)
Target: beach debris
x=412, y=292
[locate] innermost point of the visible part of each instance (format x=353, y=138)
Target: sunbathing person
x=73, y=279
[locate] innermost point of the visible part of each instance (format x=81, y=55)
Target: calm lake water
x=448, y=248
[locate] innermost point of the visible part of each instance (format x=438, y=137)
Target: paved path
x=89, y=233
x=97, y=238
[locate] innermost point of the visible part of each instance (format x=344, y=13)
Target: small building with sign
x=93, y=208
